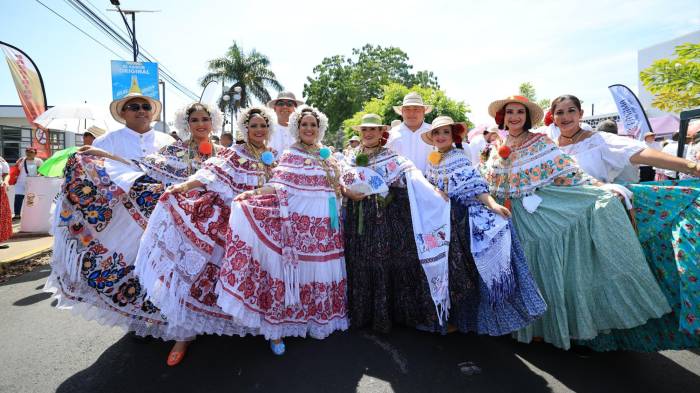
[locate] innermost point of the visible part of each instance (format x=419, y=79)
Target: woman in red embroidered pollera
x=284, y=267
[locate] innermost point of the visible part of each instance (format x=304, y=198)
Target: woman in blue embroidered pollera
x=396, y=239
x=498, y=295
x=667, y=215
x=101, y=213
x=182, y=248
x=578, y=241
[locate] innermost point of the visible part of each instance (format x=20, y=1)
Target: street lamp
x=233, y=106
x=237, y=98
x=226, y=98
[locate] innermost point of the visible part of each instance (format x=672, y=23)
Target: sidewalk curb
x=10, y=262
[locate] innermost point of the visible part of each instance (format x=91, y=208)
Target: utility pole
x=130, y=29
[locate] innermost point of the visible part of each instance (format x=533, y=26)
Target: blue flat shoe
x=277, y=349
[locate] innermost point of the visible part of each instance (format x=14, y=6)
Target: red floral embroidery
x=250, y=284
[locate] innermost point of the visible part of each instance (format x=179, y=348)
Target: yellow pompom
x=434, y=157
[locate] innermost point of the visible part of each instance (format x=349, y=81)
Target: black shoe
x=4, y=246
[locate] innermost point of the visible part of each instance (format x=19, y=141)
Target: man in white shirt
x=283, y=105
x=137, y=139
x=405, y=138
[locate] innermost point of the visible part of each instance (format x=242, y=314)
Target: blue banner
x=634, y=119
x=134, y=77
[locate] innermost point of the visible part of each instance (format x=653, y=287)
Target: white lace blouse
x=606, y=157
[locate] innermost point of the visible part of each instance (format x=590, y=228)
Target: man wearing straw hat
x=283, y=105
x=91, y=134
x=137, y=139
x=405, y=138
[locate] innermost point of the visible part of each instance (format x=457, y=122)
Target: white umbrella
x=76, y=118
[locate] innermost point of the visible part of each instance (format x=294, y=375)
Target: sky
x=480, y=51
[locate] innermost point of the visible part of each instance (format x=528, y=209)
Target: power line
x=97, y=21
x=88, y=14
x=81, y=30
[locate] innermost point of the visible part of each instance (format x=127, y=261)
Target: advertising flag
x=30, y=88
x=634, y=119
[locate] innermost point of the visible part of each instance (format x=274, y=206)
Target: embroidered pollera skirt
x=588, y=265
x=668, y=221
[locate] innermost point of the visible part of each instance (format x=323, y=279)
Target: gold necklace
x=257, y=154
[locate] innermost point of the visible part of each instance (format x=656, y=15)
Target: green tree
x=392, y=95
x=341, y=85
x=675, y=82
x=527, y=89
x=251, y=71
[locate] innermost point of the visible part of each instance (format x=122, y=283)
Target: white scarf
x=430, y=215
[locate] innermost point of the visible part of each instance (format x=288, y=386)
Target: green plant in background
x=393, y=94
x=675, y=82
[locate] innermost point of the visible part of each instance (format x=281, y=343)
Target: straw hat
x=95, y=131
x=354, y=138
x=441, y=121
x=413, y=99
x=536, y=113
x=370, y=120
x=115, y=108
x=284, y=95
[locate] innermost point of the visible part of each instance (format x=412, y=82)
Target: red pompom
x=500, y=116
x=548, y=120
x=504, y=152
x=205, y=148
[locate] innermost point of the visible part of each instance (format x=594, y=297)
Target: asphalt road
x=44, y=350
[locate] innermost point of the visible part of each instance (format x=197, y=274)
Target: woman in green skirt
x=582, y=250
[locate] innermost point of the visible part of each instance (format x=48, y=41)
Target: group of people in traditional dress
x=277, y=236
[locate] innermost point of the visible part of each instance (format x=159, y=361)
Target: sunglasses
x=285, y=103
x=137, y=107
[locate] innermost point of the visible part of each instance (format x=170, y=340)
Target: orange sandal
x=175, y=357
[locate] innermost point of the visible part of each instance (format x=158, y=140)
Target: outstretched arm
x=663, y=160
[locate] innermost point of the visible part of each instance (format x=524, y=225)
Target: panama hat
x=413, y=99
x=95, y=131
x=370, y=120
x=354, y=138
x=536, y=113
x=441, y=121
x=284, y=95
x=116, y=107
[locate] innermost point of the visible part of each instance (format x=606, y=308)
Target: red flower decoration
x=384, y=138
x=548, y=120
x=205, y=148
x=504, y=152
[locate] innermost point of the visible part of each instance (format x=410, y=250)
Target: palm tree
x=249, y=71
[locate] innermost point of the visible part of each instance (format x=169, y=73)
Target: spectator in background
x=607, y=126
x=91, y=134
x=672, y=149
x=215, y=139
x=28, y=167
x=227, y=139
x=646, y=172
x=284, y=105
